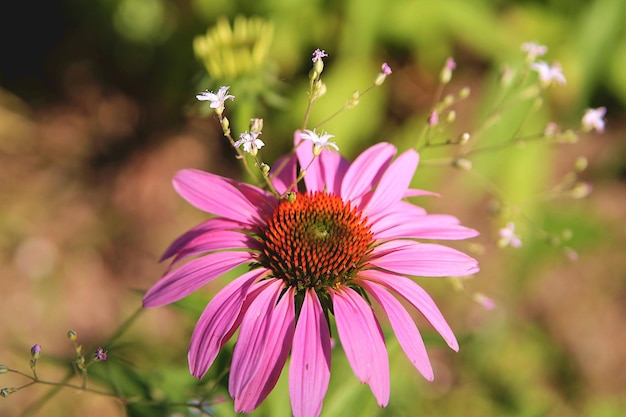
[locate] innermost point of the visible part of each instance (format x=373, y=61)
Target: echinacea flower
x=593, y=119
x=347, y=232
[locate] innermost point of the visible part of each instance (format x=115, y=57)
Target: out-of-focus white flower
x=594, y=119
x=549, y=73
x=508, y=236
x=533, y=50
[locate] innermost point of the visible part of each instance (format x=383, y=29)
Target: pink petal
x=217, y=240
x=422, y=259
x=253, y=333
x=214, y=194
x=309, y=370
x=216, y=224
x=394, y=182
x=366, y=170
x=332, y=168
x=216, y=322
x=430, y=226
x=412, y=192
x=363, y=342
x=284, y=173
x=193, y=275
x=401, y=209
x=275, y=351
x=403, y=326
x=419, y=298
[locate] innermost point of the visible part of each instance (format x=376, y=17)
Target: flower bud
x=353, y=101
x=256, y=125
x=3, y=369
x=451, y=116
x=35, y=351
x=581, y=190
x=446, y=72
x=433, y=119
x=72, y=335
x=225, y=124
x=5, y=392
x=465, y=92
x=581, y=164
x=318, y=67
x=386, y=70
x=464, y=138
x=462, y=163
x=265, y=169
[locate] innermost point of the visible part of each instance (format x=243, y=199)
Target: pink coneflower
x=314, y=254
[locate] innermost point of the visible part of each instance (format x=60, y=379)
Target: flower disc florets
x=315, y=241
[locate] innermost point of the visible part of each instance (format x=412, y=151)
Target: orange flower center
x=315, y=241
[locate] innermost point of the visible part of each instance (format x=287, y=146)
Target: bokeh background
x=97, y=113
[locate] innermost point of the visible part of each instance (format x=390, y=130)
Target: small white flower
x=319, y=142
x=250, y=141
x=217, y=99
x=508, y=236
x=549, y=73
x=594, y=119
x=533, y=50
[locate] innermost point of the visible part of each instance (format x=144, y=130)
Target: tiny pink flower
x=35, y=351
x=533, y=50
x=548, y=73
x=593, y=119
x=446, y=72
x=508, y=236
x=433, y=119
x=348, y=231
x=450, y=64
x=318, y=54
x=100, y=354
x=217, y=99
x=386, y=69
x=250, y=141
